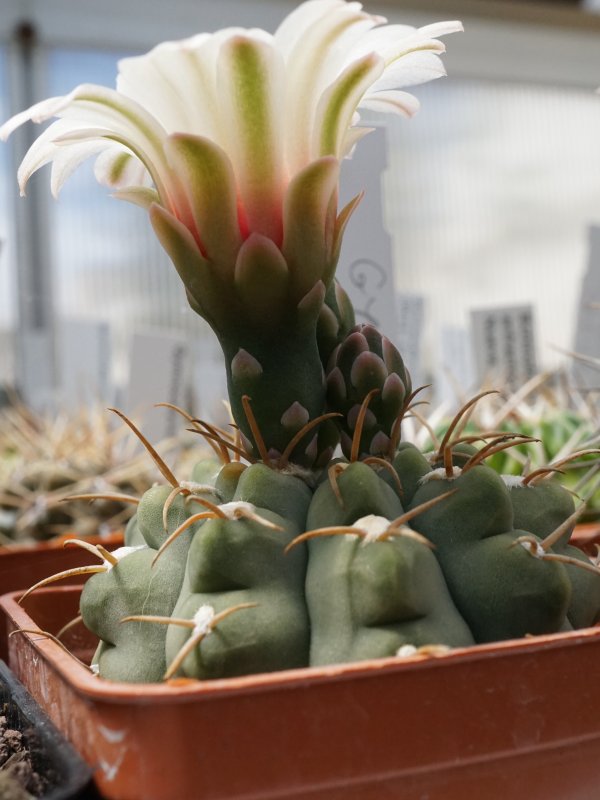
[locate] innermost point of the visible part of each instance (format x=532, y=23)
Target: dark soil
x=18, y=778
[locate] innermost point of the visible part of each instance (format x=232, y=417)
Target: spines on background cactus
x=48, y=459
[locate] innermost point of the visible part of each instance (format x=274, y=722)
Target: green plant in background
x=276, y=554
x=562, y=425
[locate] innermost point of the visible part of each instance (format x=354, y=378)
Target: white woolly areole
x=533, y=547
x=230, y=509
x=373, y=526
x=122, y=552
x=203, y=620
x=406, y=651
x=513, y=481
x=95, y=668
x=439, y=474
x=197, y=488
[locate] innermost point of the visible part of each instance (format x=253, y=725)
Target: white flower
x=232, y=140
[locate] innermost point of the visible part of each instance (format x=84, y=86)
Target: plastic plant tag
x=366, y=269
x=504, y=344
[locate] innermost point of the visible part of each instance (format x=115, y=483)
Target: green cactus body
x=479, y=508
x=365, y=361
x=504, y=592
x=367, y=600
x=281, y=493
x=206, y=471
x=135, y=651
x=280, y=371
x=133, y=536
x=410, y=465
x=335, y=321
x=234, y=561
x=461, y=453
x=500, y=588
x=227, y=480
x=362, y=493
x=541, y=508
x=584, y=608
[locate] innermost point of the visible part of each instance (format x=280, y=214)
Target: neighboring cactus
x=46, y=458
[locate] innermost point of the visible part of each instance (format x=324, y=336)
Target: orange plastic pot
x=517, y=719
x=587, y=536
x=23, y=565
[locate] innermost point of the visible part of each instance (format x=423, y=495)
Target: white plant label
x=84, y=363
x=365, y=267
x=35, y=372
x=456, y=371
x=209, y=381
x=504, y=345
x=411, y=318
x=587, y=333
x=158, y=372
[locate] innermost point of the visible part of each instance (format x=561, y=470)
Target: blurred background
x=481, y=212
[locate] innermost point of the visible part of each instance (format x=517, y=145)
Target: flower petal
x=42, y=151
x=351, y=139
x=412, y=69
x=340, y=227
x=207, y=177
x=138, y=195
x=65, y=163
x=176, y=83
x=339, y=102
x=101, y=113
x=315, y=53
x=117, y=167
x=39, y=112
x=297, y=23
x=193, y=268
x=436, y=29
x=307, y=243
x=261, y=279
x=250, y=84
x=394, y=41
x=392, y=102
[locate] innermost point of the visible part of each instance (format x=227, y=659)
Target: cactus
x=277, y=553
x=46, y=459
x=364, y=363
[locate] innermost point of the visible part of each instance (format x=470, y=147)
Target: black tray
x=51, y=755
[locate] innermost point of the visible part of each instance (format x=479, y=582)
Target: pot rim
x=113, y=537
x=187, y=690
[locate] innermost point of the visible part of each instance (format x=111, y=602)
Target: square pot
x=23, y=565
x=518, y=719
